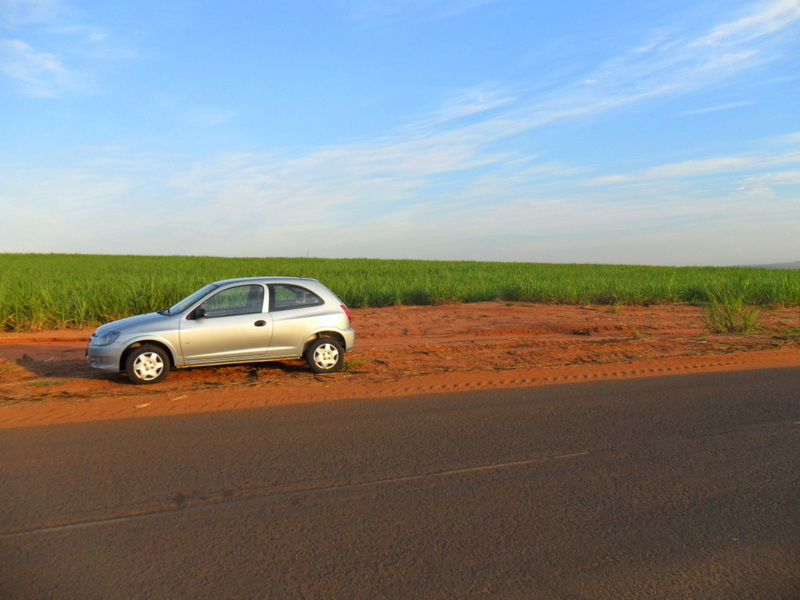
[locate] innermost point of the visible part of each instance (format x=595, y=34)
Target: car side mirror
x=199, y=312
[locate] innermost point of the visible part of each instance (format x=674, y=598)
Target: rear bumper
x=349, y=336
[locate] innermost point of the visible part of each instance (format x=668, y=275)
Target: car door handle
x=260, y=323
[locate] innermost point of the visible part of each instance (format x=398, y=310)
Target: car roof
x=270, y=279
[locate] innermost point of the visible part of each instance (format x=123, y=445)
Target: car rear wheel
x=325, y=355
x=147, y=364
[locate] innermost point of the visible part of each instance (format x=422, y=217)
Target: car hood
x=149, y=322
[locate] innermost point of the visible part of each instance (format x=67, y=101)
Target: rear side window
x=284, y=296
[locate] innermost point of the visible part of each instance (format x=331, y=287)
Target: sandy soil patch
x=402, y=350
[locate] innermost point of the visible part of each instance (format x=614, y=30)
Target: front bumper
x=106, y=358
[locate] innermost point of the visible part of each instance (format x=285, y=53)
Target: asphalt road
x=679, y=487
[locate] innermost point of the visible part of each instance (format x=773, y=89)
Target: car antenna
x=302, y=275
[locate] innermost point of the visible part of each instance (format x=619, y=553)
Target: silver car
x=252, y=319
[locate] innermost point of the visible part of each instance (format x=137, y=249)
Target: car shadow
x=235, y=374
x=61, y=369
x=240, y=373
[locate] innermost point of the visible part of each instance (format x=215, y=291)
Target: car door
x=230, y=326
x=294, y=310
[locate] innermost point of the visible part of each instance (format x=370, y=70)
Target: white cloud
x=763, y=186
x=399, y=195
x=425, y=9
x=471, y=102
x=767, y=18
x=680, y=62
x=209, y=116
x=24, y=12
x=38, y=73
x=349, y=202
x=697, y=168
x=677, y=63
x=64, y=53
x=718, y=108
x=88, y=33
x=704, y=167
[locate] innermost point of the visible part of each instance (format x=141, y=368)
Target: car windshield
x=189, y=300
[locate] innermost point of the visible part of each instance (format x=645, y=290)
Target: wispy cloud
x=49, y=52
x=88, y=33
x=453, y=178
x=684, y=61
x=704, y=167
x=765, y=185
x=718, y=108
x=333, y=201
x=371, y=10
x=24, y=12
x=768, y=18
x=208, y=116
x=38, y=73
x=675, y=62
x=404, y=185
x=476, y=101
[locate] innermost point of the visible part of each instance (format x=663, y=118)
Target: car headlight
x=106, y=338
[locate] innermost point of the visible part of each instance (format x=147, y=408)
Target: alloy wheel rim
x=148, y=366
x=326, y=356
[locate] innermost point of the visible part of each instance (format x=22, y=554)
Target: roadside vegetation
x=57, y=291
x=728, y=312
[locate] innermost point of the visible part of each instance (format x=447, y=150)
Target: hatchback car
x=253, y=319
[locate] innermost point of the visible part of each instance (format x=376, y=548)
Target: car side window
x=283, y=296
x=239, y=300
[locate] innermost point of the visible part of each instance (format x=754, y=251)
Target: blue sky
x=658, y=132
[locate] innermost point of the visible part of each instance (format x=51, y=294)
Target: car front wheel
x=325, y=355
x=147, y=364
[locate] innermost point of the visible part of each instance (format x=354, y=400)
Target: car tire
x=325, y=355
x=147, y=364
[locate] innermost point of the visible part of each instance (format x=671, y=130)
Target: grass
x=58, y=291
x=45, y=383
x=352, y=365
x=728, y=312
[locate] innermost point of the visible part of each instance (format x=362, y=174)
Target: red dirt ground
x=401, y=350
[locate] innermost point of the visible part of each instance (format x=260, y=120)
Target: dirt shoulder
x=402, y=350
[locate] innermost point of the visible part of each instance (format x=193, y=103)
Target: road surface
x=679, y=487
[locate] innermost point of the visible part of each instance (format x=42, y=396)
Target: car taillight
x=347, y=312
